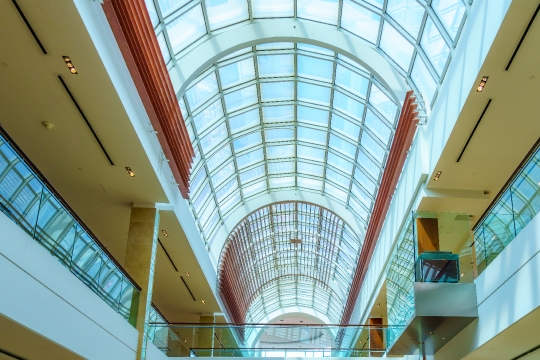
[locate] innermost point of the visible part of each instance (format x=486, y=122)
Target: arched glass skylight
x=288, y=255
x=417, y=36
x=286, y=116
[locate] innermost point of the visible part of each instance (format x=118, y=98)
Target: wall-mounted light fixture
x=70, y=65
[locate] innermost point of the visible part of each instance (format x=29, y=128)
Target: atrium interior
x=269, y=178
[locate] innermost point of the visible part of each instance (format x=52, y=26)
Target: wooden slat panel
x=132, y=28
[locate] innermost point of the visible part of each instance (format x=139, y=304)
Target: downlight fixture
x=437, y=175
x=204, y=303
x=70, y=65
x=130, y=172
x=480, y=87
x=164, y=233
x=188, y=274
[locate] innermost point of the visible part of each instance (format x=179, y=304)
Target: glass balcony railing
x=266, y=340
x=517, y=204
x=32, y=204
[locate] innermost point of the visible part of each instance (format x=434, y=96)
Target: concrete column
x=140, y=264
x=205, y=340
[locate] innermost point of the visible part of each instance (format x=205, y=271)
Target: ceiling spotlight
x=69, y=64
x=130, y=172
x=462, y=274
x=203, y=302
x=480, y=87
x=378, y=304
x=437, y=175
x=188, y=274
x=431, y=332
x=164, y=233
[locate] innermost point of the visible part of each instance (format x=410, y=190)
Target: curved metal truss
x=288, y=254
x=286, y=116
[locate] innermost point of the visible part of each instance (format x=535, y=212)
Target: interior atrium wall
x=480, y=30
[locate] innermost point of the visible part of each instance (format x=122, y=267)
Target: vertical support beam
x=140, y=264
x=427, y=231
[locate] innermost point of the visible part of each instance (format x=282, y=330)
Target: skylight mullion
x=205, y=15
x=295, y=110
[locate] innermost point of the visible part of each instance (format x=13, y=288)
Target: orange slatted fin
x=132, y=28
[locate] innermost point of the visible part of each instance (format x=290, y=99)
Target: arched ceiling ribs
x=287, y=254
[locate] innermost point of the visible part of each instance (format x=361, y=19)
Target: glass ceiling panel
x=398, y=29
x=268, y=130
x=307, y=254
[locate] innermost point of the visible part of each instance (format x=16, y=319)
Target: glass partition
x=31, y=204
x=267, y=340
x=515, y=207
x=432, y=247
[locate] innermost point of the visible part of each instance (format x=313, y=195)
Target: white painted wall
x=153, y=353
x=40, y=293
x=480, y=29
x=507, y=290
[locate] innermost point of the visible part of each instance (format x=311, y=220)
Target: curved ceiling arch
x=196, y=60
x=417, y=37
x=215, y=244
x=285, y=116
x=312, y=255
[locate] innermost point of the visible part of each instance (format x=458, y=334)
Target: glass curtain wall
x=26, y=200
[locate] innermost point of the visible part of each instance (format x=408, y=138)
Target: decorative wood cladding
x=131, y=25
x=405, y=131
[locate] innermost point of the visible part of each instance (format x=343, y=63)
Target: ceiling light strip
x=405, y=131
x=132, y=28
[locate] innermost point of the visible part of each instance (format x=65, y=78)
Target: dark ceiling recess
x=188, y=289
x=85, y=119
x=166, y=253
x=40, y=44
x=474, y=130
x=522, y=38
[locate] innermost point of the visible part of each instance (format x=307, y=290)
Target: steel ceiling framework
x=291, y=254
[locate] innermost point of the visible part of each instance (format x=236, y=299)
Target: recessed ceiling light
x=130, y=172
x=164, y=233
x=462, y=274
x=437, y=175
x=188, y=274
x=378, y=304
x=431, y=332
x=70, y=65
x=480, y=87
x=203, y=301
